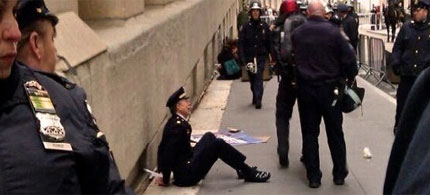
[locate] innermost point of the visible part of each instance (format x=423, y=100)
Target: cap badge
x=39, y=10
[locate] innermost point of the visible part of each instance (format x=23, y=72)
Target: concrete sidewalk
x=373, y=129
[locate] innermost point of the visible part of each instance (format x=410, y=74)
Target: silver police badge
x=50, y=127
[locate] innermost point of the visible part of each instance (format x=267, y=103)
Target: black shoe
x=258, y=105
x=240, y=174
x=257, y=176
x=283, y=161
x=339, y=181
x=314, y=184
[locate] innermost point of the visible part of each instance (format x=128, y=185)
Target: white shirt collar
x=180, y=115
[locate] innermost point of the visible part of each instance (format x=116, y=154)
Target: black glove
x=396, y=70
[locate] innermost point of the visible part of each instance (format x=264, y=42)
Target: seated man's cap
x=30, y=11
x=177, y=96
x=342, y=7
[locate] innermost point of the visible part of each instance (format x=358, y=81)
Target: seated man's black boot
x=255, y=175
x=240, y=174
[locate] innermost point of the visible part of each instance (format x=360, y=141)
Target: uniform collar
x=8, y=86
x=184, y=118
x=317, y=18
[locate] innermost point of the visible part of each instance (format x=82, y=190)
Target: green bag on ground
x=231, y=67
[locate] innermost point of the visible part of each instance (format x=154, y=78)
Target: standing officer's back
x=323, y=59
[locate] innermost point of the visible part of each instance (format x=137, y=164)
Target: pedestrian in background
x=228, y=59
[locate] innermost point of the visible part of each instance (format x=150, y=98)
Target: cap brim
x=53, y=18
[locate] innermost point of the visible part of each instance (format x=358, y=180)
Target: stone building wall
x=130, y=59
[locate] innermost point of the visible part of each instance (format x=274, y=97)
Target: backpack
x=291, y=23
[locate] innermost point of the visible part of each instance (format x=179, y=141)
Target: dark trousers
x=285, y=100
x=403, y=90
x=256, y=80
x=207, y=151
x=315, y=102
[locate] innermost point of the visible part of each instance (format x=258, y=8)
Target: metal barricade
x=372, y=59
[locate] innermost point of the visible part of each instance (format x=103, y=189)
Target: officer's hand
x=272, y=27
x=396, y=70
x=350, y=82
x=159, y=181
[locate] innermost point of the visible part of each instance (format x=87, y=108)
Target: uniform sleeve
x=241, y=43
x=168, y=154
x=267, y=43
x=398, y=49
x=348, y=61
x=348, y=29
x=276, y=45
x=115, y=185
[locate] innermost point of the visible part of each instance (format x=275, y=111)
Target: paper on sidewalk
x=235, y=139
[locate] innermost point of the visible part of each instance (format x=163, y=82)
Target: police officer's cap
x=177, y=96
x=30, y=11
x=423, y=4
x=255, y=5
x=342, y=7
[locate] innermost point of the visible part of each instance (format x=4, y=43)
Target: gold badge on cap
x=39, y=10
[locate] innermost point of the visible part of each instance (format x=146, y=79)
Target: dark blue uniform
x=407, y=170
x=411, y=55
x=254, y=42
x=190, y=165
x=27, y=167
x=287, y=90
x=323, y=58
x=350, y=27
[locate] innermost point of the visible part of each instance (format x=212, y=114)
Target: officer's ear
x=34, y=42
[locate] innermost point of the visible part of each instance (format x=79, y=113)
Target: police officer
x=320, y=69
x=58, y=152
x=349, y=24
x=188, y=164
x=37, y=49
x=254, y=47
x=411, y=53
x=351, y=12
x=287, y=92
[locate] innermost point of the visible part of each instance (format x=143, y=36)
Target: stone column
x=58, y=6
x=112, y=9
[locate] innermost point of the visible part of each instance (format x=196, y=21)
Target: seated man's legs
x=207, y=152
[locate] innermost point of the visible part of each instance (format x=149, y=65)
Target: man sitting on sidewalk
x=188, y=164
